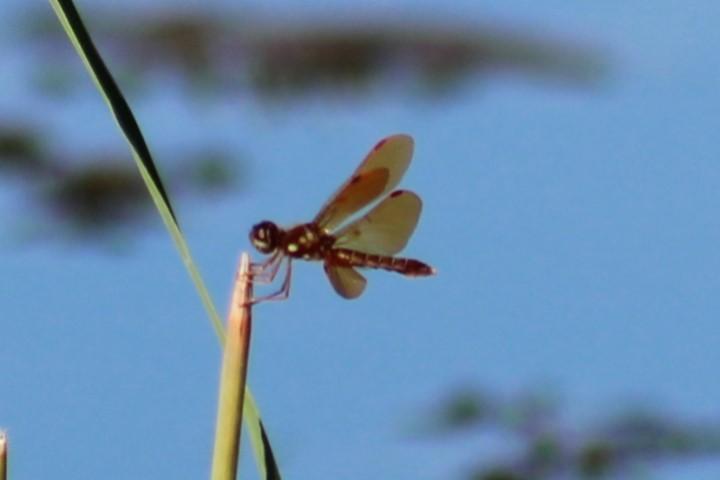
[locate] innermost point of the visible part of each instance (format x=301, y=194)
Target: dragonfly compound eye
x=265, y=237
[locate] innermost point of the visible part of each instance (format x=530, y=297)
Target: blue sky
x=575, y=233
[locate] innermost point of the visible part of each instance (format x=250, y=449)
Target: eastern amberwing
x=368, y=242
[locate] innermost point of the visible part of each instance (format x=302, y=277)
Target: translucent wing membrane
x=346, y=281
x=358, y=192
x=386, y=229
x=378, y=174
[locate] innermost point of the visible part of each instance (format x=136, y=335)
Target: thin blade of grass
x=80, y=38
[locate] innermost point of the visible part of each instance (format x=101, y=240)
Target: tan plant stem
x=3, y=455
x=233, y=376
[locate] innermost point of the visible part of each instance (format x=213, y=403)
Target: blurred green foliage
x=276, y=59
x=224, y=53
x=551, y=446
x=100, y=193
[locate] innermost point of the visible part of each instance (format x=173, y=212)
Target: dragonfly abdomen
x=404, y=266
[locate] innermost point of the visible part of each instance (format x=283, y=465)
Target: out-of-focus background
x=567, y=157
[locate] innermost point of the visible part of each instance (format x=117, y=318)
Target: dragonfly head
x=265, y=237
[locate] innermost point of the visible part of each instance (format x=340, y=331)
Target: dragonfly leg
x=281, y=294
x=266, y=271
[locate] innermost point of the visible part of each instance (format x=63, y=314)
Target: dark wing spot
x=380, y=144
x=397, y=193
x=355, y=179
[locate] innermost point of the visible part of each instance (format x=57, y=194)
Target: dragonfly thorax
x=306, y=241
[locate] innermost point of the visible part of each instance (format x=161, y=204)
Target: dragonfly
x=371, y=241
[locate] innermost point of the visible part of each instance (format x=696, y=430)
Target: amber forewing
x=386, y=229
x=377, y=175
x=361, y=190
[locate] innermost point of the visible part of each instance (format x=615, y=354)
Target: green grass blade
x=264, y=457
x=80, y=38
